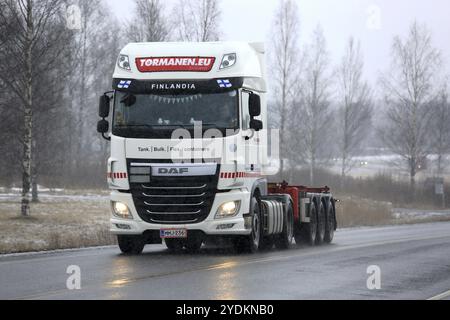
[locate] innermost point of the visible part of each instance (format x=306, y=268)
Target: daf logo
x=174, y=171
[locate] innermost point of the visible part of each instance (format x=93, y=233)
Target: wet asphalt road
x=414, y=262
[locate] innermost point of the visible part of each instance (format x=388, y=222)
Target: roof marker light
x=228, y=61
x=124, y=62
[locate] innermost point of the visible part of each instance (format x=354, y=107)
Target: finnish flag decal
x=124, y=84
x=224, y=83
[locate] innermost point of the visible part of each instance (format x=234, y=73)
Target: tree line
x=57, y=57
x=332, y=108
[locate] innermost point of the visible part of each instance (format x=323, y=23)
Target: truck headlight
x=121, y=210
x=228, y=209
x=228, y=60
x=124, y=62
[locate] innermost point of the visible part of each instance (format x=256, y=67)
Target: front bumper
x=210, y=226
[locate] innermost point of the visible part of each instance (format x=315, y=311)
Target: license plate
x=173, y=233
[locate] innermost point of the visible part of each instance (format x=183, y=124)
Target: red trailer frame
x=294, y=192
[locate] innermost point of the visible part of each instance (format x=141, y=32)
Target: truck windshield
x=157, y=116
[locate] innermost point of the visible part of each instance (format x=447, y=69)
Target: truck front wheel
x=252, y=243
x=131, y=244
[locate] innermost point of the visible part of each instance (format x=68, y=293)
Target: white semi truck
x=187, y=124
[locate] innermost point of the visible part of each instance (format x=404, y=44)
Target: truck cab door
x=251, y=139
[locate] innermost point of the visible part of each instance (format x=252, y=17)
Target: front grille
x=175, y=200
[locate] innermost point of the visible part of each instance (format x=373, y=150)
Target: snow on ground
x=417, y=215
x=367, y=166
x=55, y=195
x=39, y=187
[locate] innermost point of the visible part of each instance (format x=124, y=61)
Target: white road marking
x=441, y=296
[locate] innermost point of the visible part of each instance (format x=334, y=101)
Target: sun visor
x=170, y=87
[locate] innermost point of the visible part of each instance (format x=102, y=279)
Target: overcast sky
x=373, y=22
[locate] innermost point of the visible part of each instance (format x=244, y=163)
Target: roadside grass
x=55, y=224
x=352, y=211
x=355, y=212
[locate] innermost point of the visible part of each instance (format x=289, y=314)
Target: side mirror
x=254, y=105
x=103, y=108
x=103, y=126
x=256, y=125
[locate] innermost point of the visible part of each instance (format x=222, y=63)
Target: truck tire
x=306, y=233
x=284, y=240
x=321, y=223
x=131, y=244
x=252, y=242
x=174, y=245
x=330, y=223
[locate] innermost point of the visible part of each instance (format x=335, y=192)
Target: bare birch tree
x=409, y=87
x=314, y=116
x=148, y=23
x=58, y=144
x=355, y=106
x=285, y=58
x=197, y=20
x=25, y=22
